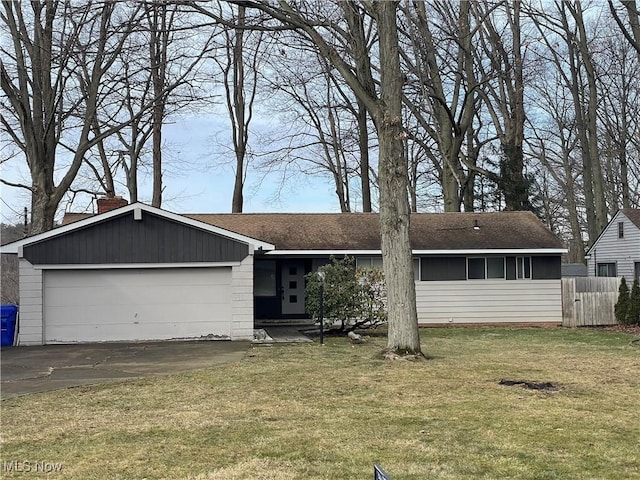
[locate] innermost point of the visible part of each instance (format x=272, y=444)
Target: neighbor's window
x=606, y=270
x=264, y=279
x=523, y=268
x=620, y=229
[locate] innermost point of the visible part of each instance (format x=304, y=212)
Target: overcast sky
x=195, y=180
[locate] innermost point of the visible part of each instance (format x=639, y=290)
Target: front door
x=293, y=287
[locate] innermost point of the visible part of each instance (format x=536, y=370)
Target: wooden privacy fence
x=589, y=301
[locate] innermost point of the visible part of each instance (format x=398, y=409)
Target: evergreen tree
x=622, y=305
x=633, y=312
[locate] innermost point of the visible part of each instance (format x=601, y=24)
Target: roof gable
x=633, y=214
x=86, y=221
x=125, y=239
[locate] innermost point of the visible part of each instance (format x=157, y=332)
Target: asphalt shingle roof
x=361, y=231
x=633, y=214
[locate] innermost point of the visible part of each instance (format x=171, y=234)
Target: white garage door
x=136, y=304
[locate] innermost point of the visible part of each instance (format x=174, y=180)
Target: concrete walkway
x=25, y=370
x=281, y=334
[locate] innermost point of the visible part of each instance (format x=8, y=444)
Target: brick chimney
x=106, y=204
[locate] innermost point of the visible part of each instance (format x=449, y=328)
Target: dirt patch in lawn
x=529, y=385
x=629, y=329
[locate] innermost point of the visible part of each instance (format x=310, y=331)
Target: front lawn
x=306, y=411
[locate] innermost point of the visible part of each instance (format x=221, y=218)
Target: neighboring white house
x=616, y=252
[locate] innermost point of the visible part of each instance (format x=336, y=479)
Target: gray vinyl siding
x=122, y=240
x=624, y=252
x=489, y=301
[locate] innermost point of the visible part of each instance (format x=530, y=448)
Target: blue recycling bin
x=9, y=317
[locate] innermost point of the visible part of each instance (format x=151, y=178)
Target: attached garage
x=132, y=274
x=137, y=304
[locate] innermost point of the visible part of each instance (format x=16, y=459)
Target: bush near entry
x=353, y=298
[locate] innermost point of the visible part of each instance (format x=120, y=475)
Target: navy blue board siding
x=122, y=239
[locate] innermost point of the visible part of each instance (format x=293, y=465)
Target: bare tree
x=632, y=31
x=554, y=142
x=240, y=64
x=323, y=120
x=503, y=94
x=162, y=67
x=619, y=108
x=565, y=26
x=449, y=93
x=385, y=110
x=53, y=82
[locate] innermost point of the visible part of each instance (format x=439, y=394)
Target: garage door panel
x=138, y=277
x=164, y=294
x=107, y=333
x=111, y=305
x=140, y=314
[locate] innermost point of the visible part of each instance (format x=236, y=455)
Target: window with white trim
x=481, y=268
x=376, y=262
x=523, y=268
x=606, y=269
x=369, y=262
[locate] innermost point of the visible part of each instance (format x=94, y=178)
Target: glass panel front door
x=293, y=287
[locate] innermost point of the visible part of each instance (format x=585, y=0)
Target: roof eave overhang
x=254, y=244
x=473, y=251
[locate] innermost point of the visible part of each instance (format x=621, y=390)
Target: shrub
x=633, y=312
x=353, y=298
x=622, y=305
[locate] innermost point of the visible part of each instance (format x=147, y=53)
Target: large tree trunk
x=363, y=143
x=394, y=203
x=586, y=121
x=592, y=122
x=158, y=55
x=237, y=112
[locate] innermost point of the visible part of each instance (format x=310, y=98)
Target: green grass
x=306, y=411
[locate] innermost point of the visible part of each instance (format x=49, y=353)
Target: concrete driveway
x=25, y=370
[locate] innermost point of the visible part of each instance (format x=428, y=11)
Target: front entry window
x=264, y=280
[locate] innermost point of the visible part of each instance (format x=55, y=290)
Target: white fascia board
x=13, y=247
x=479, y=251
x=495, y=251
x=112, y=266
x=324, y=252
